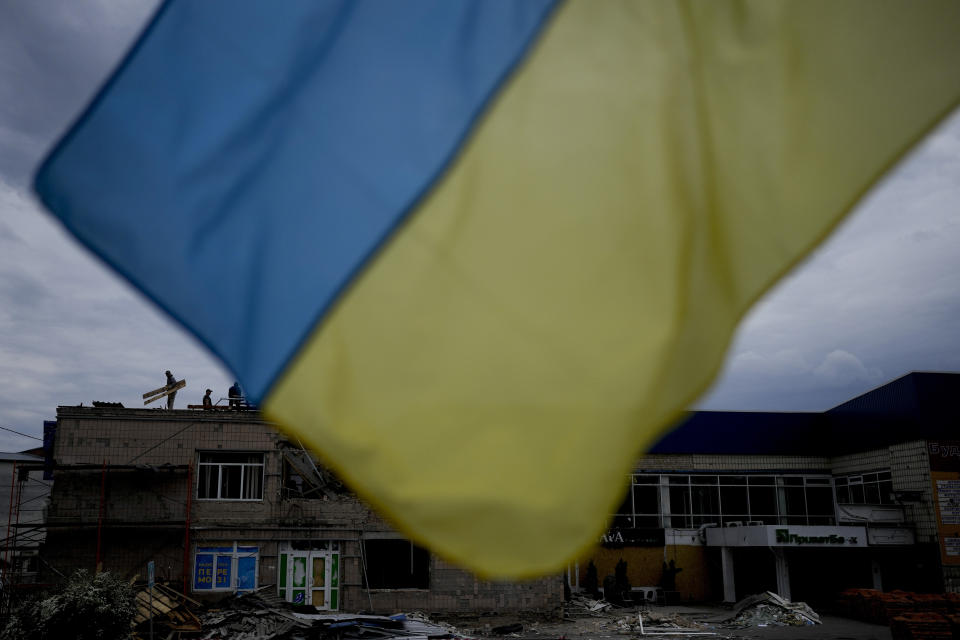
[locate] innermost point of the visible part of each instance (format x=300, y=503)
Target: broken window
x=230, y=475
x=395, y=564
x=304, y=478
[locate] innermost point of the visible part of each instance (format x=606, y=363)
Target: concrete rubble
x=768, y=608
x=261, y=615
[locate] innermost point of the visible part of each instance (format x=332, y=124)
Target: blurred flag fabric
x=482, y=254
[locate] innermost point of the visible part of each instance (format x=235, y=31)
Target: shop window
x=820, y=505
x=763, y=504
x=865, y=488
x=225, y=568
x=395, y=564
x=646, y=505
x=230, y=475
x=624, y=515
x=795, y=505
x=680, y=506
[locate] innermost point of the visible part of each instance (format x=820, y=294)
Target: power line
x=25, y=435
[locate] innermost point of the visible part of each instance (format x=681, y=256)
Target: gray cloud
x=53, y=57
x=879, y=299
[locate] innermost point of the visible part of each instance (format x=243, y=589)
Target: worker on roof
x=173, y=394
x=235, y=395
x=207, y=400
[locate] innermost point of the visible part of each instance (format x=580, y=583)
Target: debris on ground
x=262, y=615
x=767, y=608
x=650, y=623
x=170, y=610
x=580, y=606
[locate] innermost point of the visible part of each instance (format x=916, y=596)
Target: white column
x=783, y=574
x=729, y=586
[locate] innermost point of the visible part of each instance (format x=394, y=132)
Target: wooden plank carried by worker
x=155, y=391
x=165, y=391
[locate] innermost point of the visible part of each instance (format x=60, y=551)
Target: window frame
x=878, y=480
x=699, y=498
x=373, y=578
x=233, y=554
x=220, y=466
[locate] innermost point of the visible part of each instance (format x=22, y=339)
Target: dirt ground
x=620, y=624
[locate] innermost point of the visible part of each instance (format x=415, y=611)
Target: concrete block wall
x=157, y=497
x=452, y=590
x=662, y=463
x=123, y=552
x=863, y=462
x=910, y=469
x=130, y=496
x=89, y=435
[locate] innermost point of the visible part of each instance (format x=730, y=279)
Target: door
x=325, y=578
x=310, y=577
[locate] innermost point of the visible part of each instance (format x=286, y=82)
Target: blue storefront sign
x=214, y=568
x=203, y=573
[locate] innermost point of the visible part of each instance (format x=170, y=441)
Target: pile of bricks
x=911, y=616
x=921, y=625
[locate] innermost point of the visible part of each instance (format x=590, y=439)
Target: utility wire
x=170, y=437
x=25, y=435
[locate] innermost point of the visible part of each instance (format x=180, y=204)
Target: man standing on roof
x=235, y=394
x=170, y=382
x=207, y=400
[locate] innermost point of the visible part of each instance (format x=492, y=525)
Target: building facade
x=23, y=516
x=804, y=504
x=222, y=502
x=729, y=503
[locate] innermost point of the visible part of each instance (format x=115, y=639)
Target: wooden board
x=165, y=391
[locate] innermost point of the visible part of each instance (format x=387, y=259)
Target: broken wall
x=144, y=512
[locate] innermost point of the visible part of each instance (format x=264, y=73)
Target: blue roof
x=916, y=406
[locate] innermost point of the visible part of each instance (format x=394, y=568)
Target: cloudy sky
x=880, y=299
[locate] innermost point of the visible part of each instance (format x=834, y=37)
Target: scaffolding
x=21, y=557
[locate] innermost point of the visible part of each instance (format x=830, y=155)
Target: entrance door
x=311, y=577
x=324, y=579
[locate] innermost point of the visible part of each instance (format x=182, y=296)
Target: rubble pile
x=770, y=609
x=658, y=624
x=169, y=609
x=582, y=607
x=638, y=620
x=261, y=615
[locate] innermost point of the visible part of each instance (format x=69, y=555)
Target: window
x=692, y=500
x=646, y=503
x=225, y=568
x=230, y=475
x=865, y=488
x=395, y=564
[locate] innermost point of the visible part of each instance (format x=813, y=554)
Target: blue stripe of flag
x=248, y=157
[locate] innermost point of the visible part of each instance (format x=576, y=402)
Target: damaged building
x=728, y=504
x=221, y=502
x=865, y=495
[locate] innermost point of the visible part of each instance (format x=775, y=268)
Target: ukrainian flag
x=481, y=254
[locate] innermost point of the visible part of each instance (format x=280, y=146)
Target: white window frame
x=221, y=465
